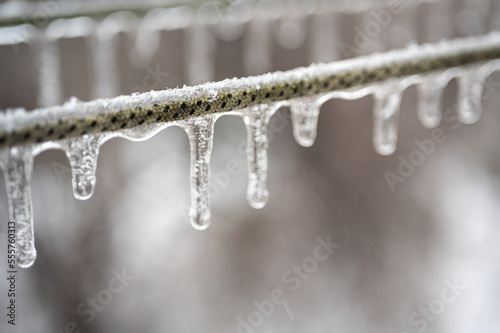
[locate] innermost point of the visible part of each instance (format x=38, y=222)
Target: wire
x=75, y=119
x=37, y=14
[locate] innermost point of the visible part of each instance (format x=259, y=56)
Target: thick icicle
x=470, y=90
x=16, y=165
x=386, y=119
x=200, y=131
x=256, y=120
x=429, y=105
x=305, y=112
x=82, y=155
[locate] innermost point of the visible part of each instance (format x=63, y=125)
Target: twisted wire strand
x=75, y=119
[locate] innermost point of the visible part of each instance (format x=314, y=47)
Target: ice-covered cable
x=80, y=128
x=74, y=118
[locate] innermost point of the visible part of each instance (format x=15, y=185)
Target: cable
x=75, y=118
x=37, y=14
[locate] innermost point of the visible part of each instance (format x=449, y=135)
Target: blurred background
x=422, y=255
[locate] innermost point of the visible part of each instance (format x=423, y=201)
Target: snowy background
x=400, y=251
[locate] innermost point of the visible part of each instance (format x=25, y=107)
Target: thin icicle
x=325, y=38
x=104, y=49
x=147, y=40
x=470, y=89
x=305, y=112
x=200, y=131
x=16, y=165
x=82, y=154
x=257, y=54
x=48, y=64
x=256, y=120
x=200, y=50
x=386, y=119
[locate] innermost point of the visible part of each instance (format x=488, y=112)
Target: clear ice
x=16, y=165
x=429, y=104
x=305, y=112
x=470, y=89
x=82, y=155
x=256, y=119
x=386, y=119
x=200, y=131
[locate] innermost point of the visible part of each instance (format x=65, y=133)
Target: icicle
x=257, y=54
x=104, y=48
x=201, y=46
x=48, y=64
x=386, y=119
x=429, y=105
x=16, y=165
x=200, y=132
x=470, y=91
x=324, y=37
x=147, y=39
x=305, y=112
x=256, y=120
x=82, y=154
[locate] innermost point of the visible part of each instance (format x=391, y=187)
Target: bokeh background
x=397, y=248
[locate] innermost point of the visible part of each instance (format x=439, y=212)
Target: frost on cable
x=16, y=161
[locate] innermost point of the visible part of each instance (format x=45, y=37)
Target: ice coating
x=142, y=133
x=200, y=132
x=305, y=112
x=16, y=165
x=82, y=154
x=256, y=119
x=470, y=89
x=386, y=119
